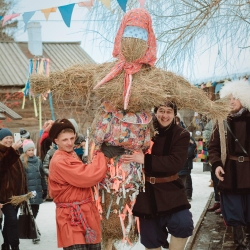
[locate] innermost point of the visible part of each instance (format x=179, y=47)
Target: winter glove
x=44, y=194
x=112, y=151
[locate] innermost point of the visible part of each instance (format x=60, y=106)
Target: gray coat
x=35, y=179
x=47, y=159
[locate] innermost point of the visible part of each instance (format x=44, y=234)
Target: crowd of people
x=163, y=207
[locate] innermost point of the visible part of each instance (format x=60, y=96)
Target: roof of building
x=15, y=57
x=4, y=110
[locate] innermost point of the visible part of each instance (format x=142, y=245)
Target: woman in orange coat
x=70, y=181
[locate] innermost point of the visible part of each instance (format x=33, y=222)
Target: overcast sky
x=55, y=30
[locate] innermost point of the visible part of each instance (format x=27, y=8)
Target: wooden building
x=14, y=63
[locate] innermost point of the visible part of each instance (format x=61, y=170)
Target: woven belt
x=154, y=180
x=238, y=158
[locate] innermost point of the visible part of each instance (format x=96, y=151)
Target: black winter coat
x=237, y=174
x=12, y=175
x=35, y=179
x=189, y=162
x=169, y=154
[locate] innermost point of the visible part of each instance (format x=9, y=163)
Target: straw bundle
x=16, y=200
x=133, y=48
x=111, y=227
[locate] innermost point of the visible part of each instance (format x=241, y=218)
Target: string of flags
x=65, y=10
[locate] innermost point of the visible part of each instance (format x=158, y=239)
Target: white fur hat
x=240, y=89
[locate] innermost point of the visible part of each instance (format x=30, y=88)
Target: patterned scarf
x=139, y=18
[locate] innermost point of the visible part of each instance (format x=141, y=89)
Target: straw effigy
x=150, y=87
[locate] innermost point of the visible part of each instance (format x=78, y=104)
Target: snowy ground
x=47, y=225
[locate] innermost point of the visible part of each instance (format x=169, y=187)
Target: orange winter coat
x=70, y=180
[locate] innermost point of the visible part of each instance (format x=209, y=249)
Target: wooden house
x=14, y=63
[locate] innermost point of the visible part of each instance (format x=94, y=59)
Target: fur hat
x=28, y=144
x=58, y=126
x=24, y=133
x=239, y=89
x=4, y=132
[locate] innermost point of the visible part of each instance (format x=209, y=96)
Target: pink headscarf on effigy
x=142, y=19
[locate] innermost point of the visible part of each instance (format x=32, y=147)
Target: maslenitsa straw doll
x=126, y=89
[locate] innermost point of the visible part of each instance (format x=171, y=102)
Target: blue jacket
x=191, y=155
x=35, y=178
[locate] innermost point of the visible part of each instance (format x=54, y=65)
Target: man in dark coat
x=234, y=175
x=12, y=183
x=164, y=207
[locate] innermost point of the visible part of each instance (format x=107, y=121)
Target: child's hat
x=28, y=144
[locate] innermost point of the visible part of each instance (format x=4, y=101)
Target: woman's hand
x=135, y=157
x=17, y=145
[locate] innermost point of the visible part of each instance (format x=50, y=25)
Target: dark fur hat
x=58, y=126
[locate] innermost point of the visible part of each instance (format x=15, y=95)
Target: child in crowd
x=35, y=176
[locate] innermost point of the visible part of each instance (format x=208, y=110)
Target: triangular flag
x=66, y=12
x=26, y=17
x=47, y=12
x=106, y=3
x=142, y=2
x=1, y=18
x=122, y=4
x=9, y=17
x=87, y=4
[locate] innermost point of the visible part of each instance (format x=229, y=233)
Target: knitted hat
x=58, y=126
x=239, y=89
x=24, y=133
x=4, y=132
x=28, y=144
x=73, y=121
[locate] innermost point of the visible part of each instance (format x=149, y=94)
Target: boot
x=214, y=207
x=5, y=246
x=177, y=243
x=15, y=248
x=239, y=237
x=165, y=245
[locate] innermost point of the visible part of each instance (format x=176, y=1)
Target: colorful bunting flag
x=26, y=17
x=47, y=12
x=9, y=17
x=106, y=3
x=66, y=12
x=122, y=4
x=87, y=4
x=142, y=2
